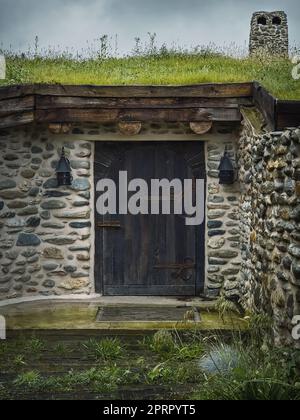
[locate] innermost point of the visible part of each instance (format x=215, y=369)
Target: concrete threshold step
x=111, y=316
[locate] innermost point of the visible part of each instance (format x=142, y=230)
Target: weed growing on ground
x=170, y=346
x=248, y=367
x=34, y=346
x=97, y=380
x=220, y=366
x=106, y=349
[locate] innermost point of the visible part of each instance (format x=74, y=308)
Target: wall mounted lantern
x=63, y=170
x=227, y=173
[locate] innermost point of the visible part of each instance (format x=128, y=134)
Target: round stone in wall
x=49, y=284
x=7, y=184
x=27, y=173
x=26, y=239
x=81, y=184
x=53, y=205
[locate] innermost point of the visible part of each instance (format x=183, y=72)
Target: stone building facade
x=47, y=233
x=252, y=227
x=269, y=225
x=45, y=239
x=269, y=34
x=222, y=235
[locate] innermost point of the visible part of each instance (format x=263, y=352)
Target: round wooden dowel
x=201, y=127
x=130, y=128
x=58, y=128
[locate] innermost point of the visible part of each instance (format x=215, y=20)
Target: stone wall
x=270, y=216
x=223, y=235
x=269, y=34
x=45, y=231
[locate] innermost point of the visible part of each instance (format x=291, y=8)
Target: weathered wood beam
x=17, y=120
x=71, y=102
x=266, y=104
x=213, y=135
x=117, y=115
x=287, y=114
x=17, y=91
x=212, y=90
x=16, y=105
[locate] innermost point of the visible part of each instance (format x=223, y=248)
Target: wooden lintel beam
x=16, y=105
x=212, y=90
x=17, y=120
x=117, y=115
x=70, y=102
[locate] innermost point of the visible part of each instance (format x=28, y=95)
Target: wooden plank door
x=149, y=255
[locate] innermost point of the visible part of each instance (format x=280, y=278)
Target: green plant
x=34, y=345
x=260, y=330
x=189, y=351
x=19, y=360
x=3, y=349
x=226, y=307
x=62, y=350
x=170, y=346
x=109, y=378
x=246, y=372
x=31, y=380
x=221, y=358
x=168, y=373
x=162, y=342
x=102, y=380
x=151, y=64
x=106, y=349
x=4, y=393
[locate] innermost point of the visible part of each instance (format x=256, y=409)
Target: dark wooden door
x=149, y=255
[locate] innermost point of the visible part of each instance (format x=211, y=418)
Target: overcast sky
x=70, y=23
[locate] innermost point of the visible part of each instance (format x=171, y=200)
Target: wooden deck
x=62, y=352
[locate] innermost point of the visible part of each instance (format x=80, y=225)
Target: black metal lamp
x=63, y=170
x=227, y=173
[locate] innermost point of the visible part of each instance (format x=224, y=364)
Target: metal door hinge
x=109, y=225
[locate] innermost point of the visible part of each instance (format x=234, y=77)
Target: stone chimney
x=269, y=34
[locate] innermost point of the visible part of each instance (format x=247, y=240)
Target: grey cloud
x=190, y=22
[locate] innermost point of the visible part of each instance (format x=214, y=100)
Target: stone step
x=129, y=317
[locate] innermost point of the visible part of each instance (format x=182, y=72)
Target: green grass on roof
x=274, y=74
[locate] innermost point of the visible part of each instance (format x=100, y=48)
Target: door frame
x=200, y=234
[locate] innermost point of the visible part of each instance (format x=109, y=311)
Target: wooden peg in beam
x=58, y=128
x=201, y=127
x=130, y=128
